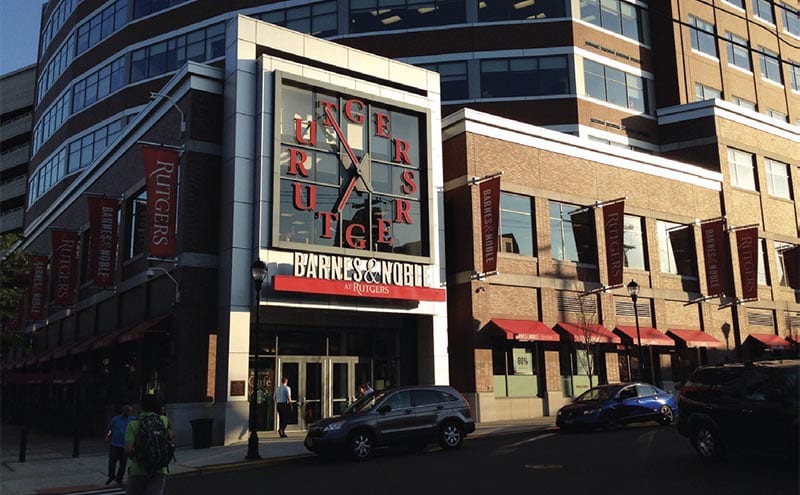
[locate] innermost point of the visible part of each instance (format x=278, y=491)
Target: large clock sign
x=351, y=173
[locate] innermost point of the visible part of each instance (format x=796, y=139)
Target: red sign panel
x=715, y=256
x=37, y=288
x=65, y=266
x=287, y=283
x=747, y=246
x=614, y=225
x=161, y=179
x=490, y=222
x=103, y=224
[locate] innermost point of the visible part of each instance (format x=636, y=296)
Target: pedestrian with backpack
x=147, y=442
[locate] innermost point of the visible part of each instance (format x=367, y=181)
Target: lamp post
x=259, y=272
x=633, y=291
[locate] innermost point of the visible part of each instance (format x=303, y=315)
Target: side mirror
x=385, y=408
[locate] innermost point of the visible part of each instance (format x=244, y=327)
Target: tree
x=13, y=275
x=588, y=338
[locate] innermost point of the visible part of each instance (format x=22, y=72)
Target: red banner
x=747, y=246
x=161, y=178
x=103, y=225
x=37, y=288
x=715, y=256
x=490, y=222
x=614, y=226
x=65, y=266
x=791, y=265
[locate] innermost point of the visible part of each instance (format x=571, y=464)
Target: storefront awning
x=694, y=338
x=108, y=339
x=137, y=331
x=769, y=341
x=593, y=332
x=526, y=330
x=84, y=345
x=649, y=336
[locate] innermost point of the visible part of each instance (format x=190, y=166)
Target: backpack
x=152, y=445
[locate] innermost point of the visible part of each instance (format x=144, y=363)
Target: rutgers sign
x=351, y=172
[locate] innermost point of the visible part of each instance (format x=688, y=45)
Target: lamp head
x=150, y=273
x=633, y=289
x=259, y=272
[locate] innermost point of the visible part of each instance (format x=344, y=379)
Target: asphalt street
x=641, y=460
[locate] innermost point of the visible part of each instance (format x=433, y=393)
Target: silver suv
x=413, y=416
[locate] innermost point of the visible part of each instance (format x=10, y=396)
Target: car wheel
x=360, y=445
x=609, y=421
x=707, y=442
x=451, y=435
x=665, y=416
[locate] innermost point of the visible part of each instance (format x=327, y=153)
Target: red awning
x=649, y=335
x=137, y=331
x=770, y=341
x=85, y=345
x=526, y=330
x=694, y=338
x=107, y=339
x=596, y=333
x=64, y=350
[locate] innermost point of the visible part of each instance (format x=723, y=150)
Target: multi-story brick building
x=684, y=112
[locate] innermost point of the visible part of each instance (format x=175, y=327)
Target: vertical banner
x=791, y=266
x=65, y=266
x=490, y=222
x=37, y=288
x=715, y=256
x=103, y=225
x=614, y=226
x=747, y=247
x=161, y=178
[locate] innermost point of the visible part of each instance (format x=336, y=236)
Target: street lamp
x=633, y=291
x=151, y=272
x=259, y=272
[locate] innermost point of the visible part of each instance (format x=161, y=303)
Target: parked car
x=610, y=406
x=414, y=416
x=736, y=407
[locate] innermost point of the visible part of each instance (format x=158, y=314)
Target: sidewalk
x=50, y=467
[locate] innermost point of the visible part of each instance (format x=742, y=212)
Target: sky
x=19, y=33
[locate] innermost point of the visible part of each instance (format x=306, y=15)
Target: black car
x=413, y=416
x=742, y=407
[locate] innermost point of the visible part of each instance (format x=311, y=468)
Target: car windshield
x=364, y=404
x=597, y=393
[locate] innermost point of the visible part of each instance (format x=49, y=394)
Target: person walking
x=115, y=437
x=140, y=480
x=283, y=399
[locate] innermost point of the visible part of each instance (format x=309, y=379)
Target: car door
x=395, y=416
x=648, y=402
x=766, y=413
x=428, y=406
x=626, y=407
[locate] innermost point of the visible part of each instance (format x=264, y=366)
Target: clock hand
x=342, y=138
x=346, y=195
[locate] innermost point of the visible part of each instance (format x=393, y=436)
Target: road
x=638, y=460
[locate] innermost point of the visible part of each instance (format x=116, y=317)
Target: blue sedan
x=610, y=406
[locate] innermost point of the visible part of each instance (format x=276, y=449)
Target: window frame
x=737, y=167
x=701, y=32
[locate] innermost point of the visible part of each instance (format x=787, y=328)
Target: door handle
x=440, y=407
x=408, y=411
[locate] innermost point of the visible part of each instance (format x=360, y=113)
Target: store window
x=516, y=224
x=634, y=255
x=514, y=369
x=137, y=225
x=676, y=251
x=738, y=51
x=741, y=166
x=703, y=36
x=572, y=233
x=778, y=181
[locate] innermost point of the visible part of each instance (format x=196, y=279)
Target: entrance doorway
x=321, y=386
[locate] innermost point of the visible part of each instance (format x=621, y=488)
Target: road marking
x=543, y=466
x=509, y=449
